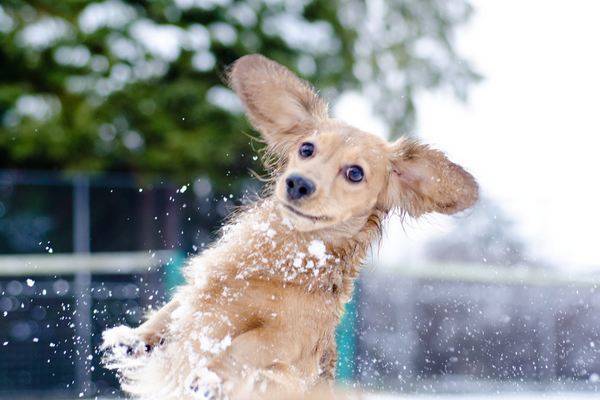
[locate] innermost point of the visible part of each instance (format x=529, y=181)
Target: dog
x=256, y=317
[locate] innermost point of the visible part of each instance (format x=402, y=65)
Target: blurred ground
x=500, y=396
x=519, y=396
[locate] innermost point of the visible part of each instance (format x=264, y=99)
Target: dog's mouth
x=314, y=218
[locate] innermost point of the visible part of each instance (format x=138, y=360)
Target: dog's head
x=332, y=174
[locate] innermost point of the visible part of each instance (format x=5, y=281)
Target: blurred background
x=122, y=150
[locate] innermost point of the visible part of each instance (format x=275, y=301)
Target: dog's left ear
x=278, y=104
x=423, y=180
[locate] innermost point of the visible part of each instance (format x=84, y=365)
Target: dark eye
x=307, y=149
x=354, y=173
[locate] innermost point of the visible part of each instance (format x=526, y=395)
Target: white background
x=530, y=131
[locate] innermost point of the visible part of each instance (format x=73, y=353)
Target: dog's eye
x=354, y=173
x=307, y=149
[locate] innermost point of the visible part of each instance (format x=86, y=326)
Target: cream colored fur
x=256, y=317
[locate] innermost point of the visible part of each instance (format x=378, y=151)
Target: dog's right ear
x=424, y=180
x=278, y=104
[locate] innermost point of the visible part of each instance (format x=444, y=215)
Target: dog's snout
x=299, y=186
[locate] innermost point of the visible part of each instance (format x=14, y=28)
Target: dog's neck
x=323, y=260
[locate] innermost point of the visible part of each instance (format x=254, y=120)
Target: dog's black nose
x=298, y=186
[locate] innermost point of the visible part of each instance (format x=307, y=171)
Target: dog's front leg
x=123, y=341
x=257, y=360
x=155, y=327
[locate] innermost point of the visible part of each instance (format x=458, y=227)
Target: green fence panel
x=346, y=343
x=174, y=272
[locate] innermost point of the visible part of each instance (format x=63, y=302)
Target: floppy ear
x=423, y=180
x=278, y=104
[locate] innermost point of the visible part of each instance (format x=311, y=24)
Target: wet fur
x=257, y=315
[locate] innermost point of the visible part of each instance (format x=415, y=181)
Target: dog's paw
x=121, y=343
x=206, y=385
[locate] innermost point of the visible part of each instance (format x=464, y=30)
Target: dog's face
x=332, y=175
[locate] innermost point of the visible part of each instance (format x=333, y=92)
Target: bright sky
x=530, y=132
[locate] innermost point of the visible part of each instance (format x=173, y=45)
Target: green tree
x=137, y=85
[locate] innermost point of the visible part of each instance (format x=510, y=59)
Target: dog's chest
x=276, y=302
x=307, y=263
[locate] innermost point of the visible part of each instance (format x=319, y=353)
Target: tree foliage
x=138, y=85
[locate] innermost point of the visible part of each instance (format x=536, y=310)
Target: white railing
x=481, y=273
x=96, y=263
